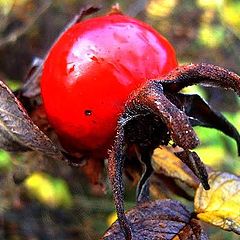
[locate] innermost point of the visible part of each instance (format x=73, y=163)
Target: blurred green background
x=55, y=201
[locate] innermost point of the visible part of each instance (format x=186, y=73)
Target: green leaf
x=5, y=160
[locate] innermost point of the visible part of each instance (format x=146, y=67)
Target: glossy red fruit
x=90, y=72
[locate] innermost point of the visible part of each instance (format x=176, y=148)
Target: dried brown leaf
x=162, y=220
x=163, y=187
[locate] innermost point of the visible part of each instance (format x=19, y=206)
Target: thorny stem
x=206, y=74
x=115, y=170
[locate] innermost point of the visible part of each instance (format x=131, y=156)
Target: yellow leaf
x=5, y=6
x=229, y=14
x=48, y=190
x=211, y=36
x=165, y=162
x=209, y=4
x=161, y=8
x=112, y=218
x=220, y=205
x=39, y=187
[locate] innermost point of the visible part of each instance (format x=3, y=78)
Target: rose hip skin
x=90, y=72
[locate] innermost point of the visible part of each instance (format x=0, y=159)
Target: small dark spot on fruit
x=94, y=58
x=88, y=112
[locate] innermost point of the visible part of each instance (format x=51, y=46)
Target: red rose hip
x=90, y=72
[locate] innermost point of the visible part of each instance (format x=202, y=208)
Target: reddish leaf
x=162, y=220
x=17, y=131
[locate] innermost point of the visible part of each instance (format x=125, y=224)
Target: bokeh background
x=41, y=199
